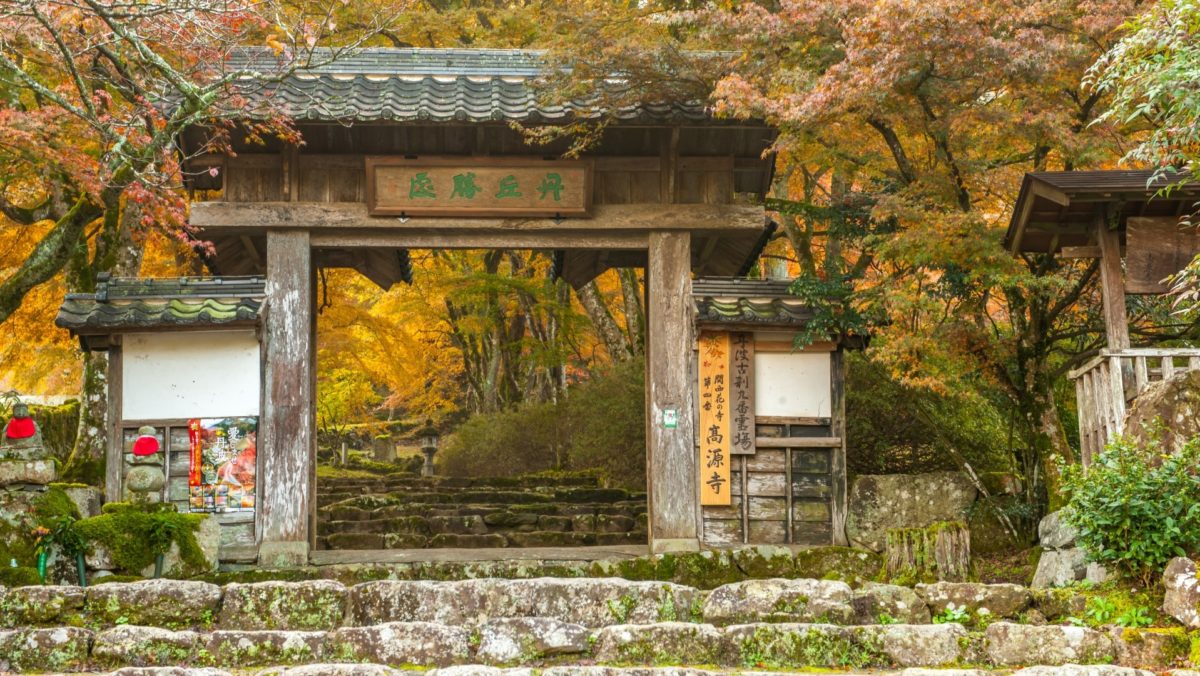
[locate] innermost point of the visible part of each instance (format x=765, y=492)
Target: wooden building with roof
x=416, y=149
x=1132, y=223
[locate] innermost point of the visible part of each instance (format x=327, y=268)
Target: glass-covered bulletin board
x=222, y=461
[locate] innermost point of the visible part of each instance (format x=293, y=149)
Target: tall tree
x=95, y=93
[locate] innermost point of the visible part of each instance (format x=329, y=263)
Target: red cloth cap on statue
x=21, y=428
x=145, y=445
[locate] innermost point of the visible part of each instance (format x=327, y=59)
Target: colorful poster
x=223, y=460
x=714, y=419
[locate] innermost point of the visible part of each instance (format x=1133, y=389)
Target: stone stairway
x=408, y=512
x=560, y=626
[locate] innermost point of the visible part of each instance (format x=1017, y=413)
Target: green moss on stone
x=134, y=535
x=848, y=564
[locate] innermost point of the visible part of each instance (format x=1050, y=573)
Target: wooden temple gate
x=1122, y=219
x=388, y=137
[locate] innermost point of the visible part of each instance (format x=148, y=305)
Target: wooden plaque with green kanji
x=478, y=186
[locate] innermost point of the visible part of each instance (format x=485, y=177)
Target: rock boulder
x=1182, y=599
x=878, y=503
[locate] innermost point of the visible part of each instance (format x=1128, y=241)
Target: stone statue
x=145, y=479
x=22, y=439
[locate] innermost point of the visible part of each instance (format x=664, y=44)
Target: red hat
x=20, y=428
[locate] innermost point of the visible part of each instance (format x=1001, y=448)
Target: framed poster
x=222, y=464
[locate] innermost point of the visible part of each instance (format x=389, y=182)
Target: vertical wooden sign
x=714, y=419
x=741, y=373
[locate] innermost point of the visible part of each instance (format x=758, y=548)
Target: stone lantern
x=428, y=436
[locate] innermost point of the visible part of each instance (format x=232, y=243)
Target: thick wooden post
x=1112, y=287
x=670, y=454
x=286, y=450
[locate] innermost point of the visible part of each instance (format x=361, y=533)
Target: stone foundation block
x=41, y=605
x=520, y=639
x=799, y=645
x=53, y=649
x=130, y=645
x=173, y=604
x=779, y=600
x=39, y=472
x=169, y=671
x=999, y=600
x=1015, y=644
x=339, y=670
x=1182, y=598
x=591, y=602
x=264, y=648
x=401, y=643
x=489, y=541
x=1059, y=568
x=914, y=645
x=1059, y=604
x=661, y=643
x=460, y=525
x=1151, y=648
x=1081, y=670
x=308, y=605
x=902, y=605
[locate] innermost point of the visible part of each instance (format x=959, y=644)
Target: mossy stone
x=850, y=565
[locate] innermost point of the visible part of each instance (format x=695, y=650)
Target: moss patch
x=134, y=535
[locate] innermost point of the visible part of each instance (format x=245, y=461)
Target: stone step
x=479, y=524
x=592, y=602
x=377, y=507
x=368, y=669
x=536, y=641
x=475, y=496
x=352, y=540
x=409, y=480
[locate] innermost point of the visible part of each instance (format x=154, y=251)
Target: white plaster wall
x=189, y=374
x=795, y=384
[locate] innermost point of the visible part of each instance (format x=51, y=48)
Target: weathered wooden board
x=674, y=509
x=811, y=510
x=809, y=533
x=287, y=438
x=767, y=460
x=811, y=486
x=715, y=418
x=720, y=532
x=1156, y=248
x=741, y=374
x=815, y=461
x=478, y=186
x=768, y=532
x=767, y=509
x=764, y=485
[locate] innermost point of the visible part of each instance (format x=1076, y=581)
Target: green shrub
x=607, y=417
x=599, y=426
x=529, y=438
x=892, y=428
x=1136, y=508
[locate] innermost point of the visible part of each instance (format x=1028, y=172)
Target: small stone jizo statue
x=144, y=480
x=21, y=438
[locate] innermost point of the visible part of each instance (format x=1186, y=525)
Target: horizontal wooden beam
x=459, y=239
x=1090, y=251
x=798, y=442
x=318, y=216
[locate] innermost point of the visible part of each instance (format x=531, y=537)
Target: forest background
x=905, y=129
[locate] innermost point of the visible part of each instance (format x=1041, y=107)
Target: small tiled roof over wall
x=121, y=304
x=759, y=302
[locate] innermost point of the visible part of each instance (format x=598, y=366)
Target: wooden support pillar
x=670, y=454
x=287, y=441
x=1112, y=287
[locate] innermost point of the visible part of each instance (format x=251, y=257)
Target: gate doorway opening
x=489, y=357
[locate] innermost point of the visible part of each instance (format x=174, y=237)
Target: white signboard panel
x=793, y=384
x=195, y=374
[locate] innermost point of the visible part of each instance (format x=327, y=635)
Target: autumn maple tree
x=95, y=94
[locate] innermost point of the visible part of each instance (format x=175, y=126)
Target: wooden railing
x=1106, y=385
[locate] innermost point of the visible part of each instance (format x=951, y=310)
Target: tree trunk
x=635, y=315
x=91, y=436
x=1052, y=442
x=606, y=327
